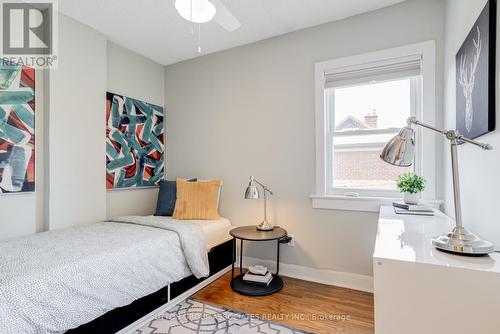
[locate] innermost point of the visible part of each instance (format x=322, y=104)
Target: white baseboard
x=324, y=276
x=144, y=320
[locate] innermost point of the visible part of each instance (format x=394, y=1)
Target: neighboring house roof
x=351, y=123
x=364, y=139
x=353, y=134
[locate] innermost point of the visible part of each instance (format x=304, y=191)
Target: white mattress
x=216, y=231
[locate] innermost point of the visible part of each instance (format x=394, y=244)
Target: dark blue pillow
x=166, y=197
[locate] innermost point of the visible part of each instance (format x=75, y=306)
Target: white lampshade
x=203, y=10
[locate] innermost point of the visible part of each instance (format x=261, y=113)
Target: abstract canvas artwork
x=17, y=128
x=134, y=143
x=475, y=71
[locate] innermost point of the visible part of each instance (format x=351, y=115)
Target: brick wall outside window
x=364, y=169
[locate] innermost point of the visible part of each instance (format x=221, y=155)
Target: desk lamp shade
x=400, y=150
x=252, y=192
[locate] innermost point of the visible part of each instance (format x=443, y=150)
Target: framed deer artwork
x=475, y=70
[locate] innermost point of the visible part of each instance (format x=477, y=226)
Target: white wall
x=478, y=169
x=133, y=75
x=250, y=111
x=17, y=215
x=76, y=127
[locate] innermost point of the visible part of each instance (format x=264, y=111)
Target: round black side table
x=250, y=233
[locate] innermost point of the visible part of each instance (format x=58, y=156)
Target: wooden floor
x=312, y=307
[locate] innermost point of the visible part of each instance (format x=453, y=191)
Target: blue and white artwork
x=135, y=147
x=17, y=128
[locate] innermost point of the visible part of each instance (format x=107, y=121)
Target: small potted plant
x=411, y=185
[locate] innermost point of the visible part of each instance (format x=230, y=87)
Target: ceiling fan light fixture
x=202, y=11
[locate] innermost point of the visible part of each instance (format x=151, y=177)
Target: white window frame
x=425, y=160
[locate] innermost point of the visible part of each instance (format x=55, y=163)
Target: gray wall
x=478, y=169
x=70, y=99
x=76, y=126
x=250, y=111
x=133, y=75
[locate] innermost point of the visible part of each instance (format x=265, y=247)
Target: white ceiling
x=154, y=29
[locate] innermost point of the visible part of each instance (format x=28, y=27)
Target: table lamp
x=252, y=192
x=399, y=151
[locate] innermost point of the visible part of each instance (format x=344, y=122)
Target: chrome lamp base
x=265, y=226
x=462, y=242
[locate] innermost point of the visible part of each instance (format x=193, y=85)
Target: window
x=361, y=103
x=363, y=118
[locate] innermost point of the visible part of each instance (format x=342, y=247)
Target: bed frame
x=219, y=258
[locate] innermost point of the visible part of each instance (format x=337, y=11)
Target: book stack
x=258, y=275
x=401, y=208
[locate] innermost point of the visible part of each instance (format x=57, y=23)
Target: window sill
x=365, y=204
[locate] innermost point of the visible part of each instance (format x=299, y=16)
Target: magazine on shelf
x=412, y=207
x=258, y=279
x=400, y=211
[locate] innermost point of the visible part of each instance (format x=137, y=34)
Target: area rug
x=191, y=316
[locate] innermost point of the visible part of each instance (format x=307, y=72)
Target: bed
x=100, y=277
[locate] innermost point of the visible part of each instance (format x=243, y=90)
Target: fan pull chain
x=191, y=13
x=199, y=38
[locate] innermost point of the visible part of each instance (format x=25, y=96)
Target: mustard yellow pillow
x=196, y=200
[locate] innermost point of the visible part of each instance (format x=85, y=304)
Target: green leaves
x=410, y=183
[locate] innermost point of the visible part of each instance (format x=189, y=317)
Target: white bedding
x=216, y=231
x=58, y=280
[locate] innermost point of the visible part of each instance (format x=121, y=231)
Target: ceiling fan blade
x=224, y=17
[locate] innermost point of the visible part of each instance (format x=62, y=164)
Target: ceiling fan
x=203, y=11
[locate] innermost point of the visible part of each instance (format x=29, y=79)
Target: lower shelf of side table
x=249, y=289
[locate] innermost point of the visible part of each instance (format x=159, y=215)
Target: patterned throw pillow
x=197, y=200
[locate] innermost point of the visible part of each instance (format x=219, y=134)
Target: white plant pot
x=411, y=198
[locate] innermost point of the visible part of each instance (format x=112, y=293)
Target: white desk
x=419, y=289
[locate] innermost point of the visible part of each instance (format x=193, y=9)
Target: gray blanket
x=54, y=281
x=192, y=239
